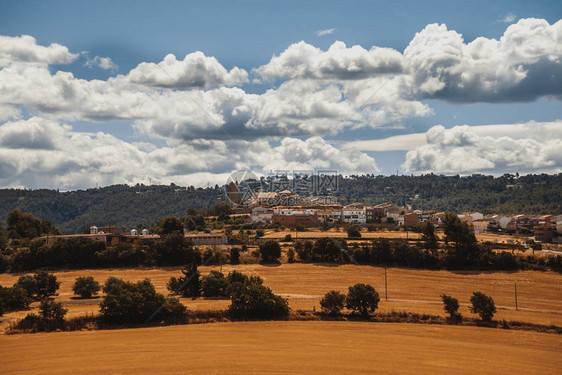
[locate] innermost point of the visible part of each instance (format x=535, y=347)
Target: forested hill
x=142, y=206
x=118, y=205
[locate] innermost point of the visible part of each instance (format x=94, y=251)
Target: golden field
x=539, y=293
x=285, y=347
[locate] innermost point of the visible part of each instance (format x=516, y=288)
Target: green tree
x=253, y=301
x=86, y=286
x=270, y=251
x=131, y=303
x=51, y=310
x=363, y=299
x=3, y=236
x=188, y=285
x=483, y=305
x=214, y=285
x=333, y=302
x=47, y=284
x=26, y=225
x=457, y=232
x=234, y=255
x=169, y=225
x=451, y=307
x=29, y=284
x=353, y=232
x=14, y=298
x=429, y=238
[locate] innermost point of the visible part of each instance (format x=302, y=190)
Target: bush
x=131, y=303
x=362, y=298
x=14, y=298
x=291, y=256
x=51, y=310
x=353, y=232
x=333, y=302
x=451, y=306
x=173, y=310
x=483, y=305
x=214, y=285
x=86, y=286
x=288, y=238
x=253, y=301
x=270, y=251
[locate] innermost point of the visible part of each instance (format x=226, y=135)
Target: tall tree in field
x=429, y=238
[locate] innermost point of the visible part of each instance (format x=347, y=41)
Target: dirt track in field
x=285, y=347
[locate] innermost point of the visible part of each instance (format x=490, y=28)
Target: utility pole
x=516, y=307
x=385, y=286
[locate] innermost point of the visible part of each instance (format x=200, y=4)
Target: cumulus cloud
x=325, y=32
x=303, y=60
x=24, y=49
x=461, y=150
x=38, y=152
x=539, y=131
x=101, y=62
x=524, y=64
x=195, y=71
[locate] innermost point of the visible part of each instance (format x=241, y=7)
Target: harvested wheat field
x=539, y=293
x=285, y=347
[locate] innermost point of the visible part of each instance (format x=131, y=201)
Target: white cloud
x=42, y=153
x=539, y=131
x=302, y=60
x=508, y=18
x=325, y=32
x=461, y=150
x=101, y=62
x=24, y=49
x=524, y=64
x=195, y=71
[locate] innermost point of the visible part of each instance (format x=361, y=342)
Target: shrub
x=130, y=303
x=451, y=306
x=270, y=251
x=333, y=302
x=214, y=285
x=291, y=256
x=288, y=238
x=86, y=286
x=173, y=310
x=14, y=298
x=353, y=232
x=253, y=301
x=173, y=284
x=51, y=310
x=483, y=305
x=362, y=298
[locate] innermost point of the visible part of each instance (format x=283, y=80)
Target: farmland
x=539, y=293
x=286, y=347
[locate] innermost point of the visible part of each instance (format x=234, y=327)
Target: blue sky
x=245, y=35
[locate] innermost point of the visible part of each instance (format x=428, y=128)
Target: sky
x=105, y=92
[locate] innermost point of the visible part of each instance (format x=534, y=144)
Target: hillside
x=141, y=206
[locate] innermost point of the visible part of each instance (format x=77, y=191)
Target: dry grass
x=285, y=347
x=539, y=293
